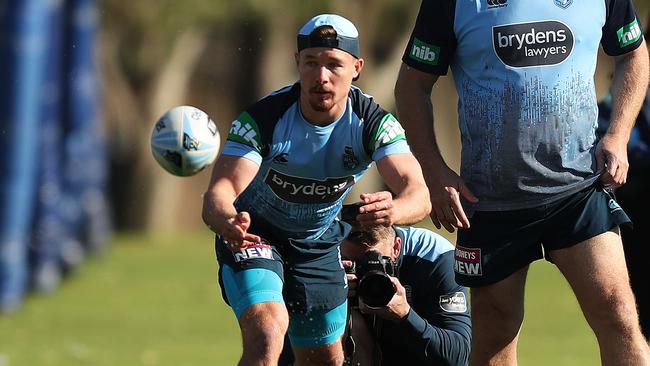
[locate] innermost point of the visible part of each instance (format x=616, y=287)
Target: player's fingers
x=434, y=219
x=449, y=219
x=375, y=196
x=440, y=216
x=252, y=238
x=459, y=214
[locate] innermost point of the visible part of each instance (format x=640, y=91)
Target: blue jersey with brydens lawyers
x=306, y=170
x=527, y=102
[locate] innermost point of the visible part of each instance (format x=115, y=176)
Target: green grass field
x=155, y=301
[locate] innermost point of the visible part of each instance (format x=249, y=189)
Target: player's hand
x=611, y=159
x=397, y=309
x=353, y=281
x=377, y=208
x=235, y=232
x=445, y=190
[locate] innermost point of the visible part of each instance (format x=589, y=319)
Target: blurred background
x=103, y=256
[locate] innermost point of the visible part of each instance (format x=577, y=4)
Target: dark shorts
x=310, y=269
x=499, y=243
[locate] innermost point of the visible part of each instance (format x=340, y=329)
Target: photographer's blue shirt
x=437, y=330
x=524, y=73
x=306, y=170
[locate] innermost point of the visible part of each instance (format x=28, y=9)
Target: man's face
x=325, y=78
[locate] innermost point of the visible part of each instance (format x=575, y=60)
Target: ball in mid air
x=185, y=140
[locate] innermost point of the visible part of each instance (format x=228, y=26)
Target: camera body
x=373, y=270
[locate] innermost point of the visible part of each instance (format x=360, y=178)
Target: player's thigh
x=500, y=305
x=316, y=336
x=596, y=271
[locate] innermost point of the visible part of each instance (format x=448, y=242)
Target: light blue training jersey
x=305, y=170
x=524, y=72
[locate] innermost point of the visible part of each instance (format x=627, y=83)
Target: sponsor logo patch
x=258, y=250
x=424, y=52
x=303, y=190
x=468, y=261
x=244, y=130
x=388, y=132
x=453, y=303
x=628, y=34
x=533, y=44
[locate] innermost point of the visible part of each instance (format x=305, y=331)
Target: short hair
x=371, y=236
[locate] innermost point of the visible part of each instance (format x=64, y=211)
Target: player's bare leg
x=497, y=315
x=597, y=273
x=263, y=327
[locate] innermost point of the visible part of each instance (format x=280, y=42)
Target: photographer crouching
x=401, y=279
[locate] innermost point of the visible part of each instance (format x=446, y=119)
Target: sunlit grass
x=155, y=301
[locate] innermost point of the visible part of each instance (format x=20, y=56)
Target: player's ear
x=397, y=246
x=296, y=56
x=358, y=66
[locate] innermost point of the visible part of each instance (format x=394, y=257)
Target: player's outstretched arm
x=415, y=112
x=230, y=176
x=628, y=90
x=411, y=203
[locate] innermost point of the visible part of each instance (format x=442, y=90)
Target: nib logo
x=424, y=52
x=629, y=34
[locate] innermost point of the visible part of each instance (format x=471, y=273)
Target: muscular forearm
x=415, y=112
x=412, y=205
x=217, y=209
x=628, y=90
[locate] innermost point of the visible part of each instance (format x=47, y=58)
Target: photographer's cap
x=347, y=36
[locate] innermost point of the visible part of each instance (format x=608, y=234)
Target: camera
x=373, y=270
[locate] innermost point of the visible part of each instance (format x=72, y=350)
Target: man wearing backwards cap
x=277, y=188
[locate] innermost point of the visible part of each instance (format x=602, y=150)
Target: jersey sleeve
x=433, y=41
x=382, y=133
x=444, y=336
x=244, y=139
x=251, y=133
x=622, y=31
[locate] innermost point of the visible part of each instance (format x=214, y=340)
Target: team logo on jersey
x=258, y=250
x=496, y=3
x=244, y=130
x=350, y=161
x=281, y=159
x=453, y=303
x=468, y=261
x=424, y=52
x=388, y=132
x=563, y=3
x=628, y=34
x=533, y=44
x=303, y=190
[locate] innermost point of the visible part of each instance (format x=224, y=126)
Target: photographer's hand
x=396, y=310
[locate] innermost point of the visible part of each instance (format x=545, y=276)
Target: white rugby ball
x=185, y=140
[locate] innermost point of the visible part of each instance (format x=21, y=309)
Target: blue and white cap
x=347, y=36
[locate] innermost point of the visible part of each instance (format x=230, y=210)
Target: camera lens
x=376, y=289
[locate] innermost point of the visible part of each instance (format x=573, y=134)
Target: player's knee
x=263, y=328
x=617, y=316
